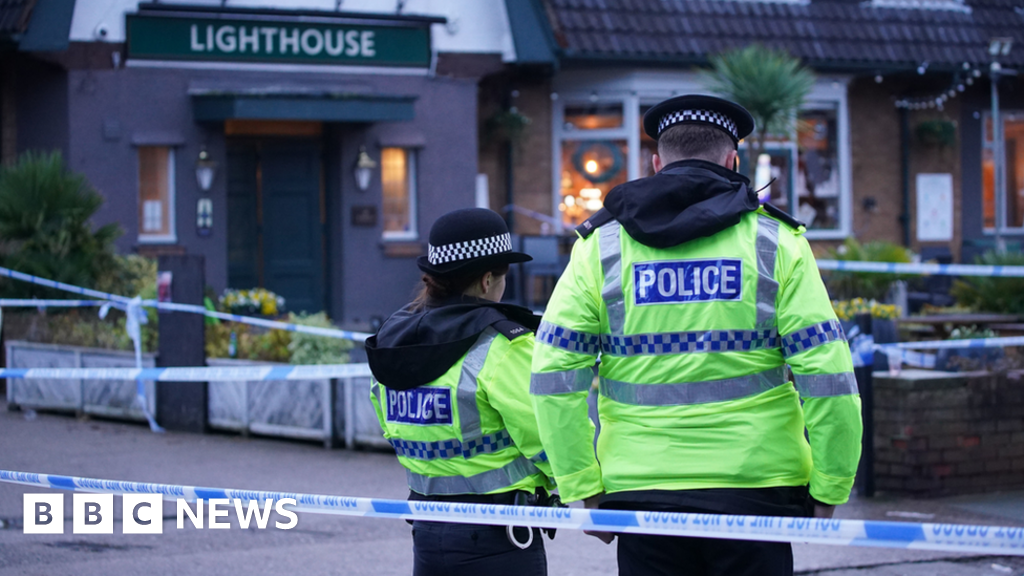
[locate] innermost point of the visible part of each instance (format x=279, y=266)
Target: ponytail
x=437, y=289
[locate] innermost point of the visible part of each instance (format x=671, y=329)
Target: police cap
x=727, y=116
x=467, y=241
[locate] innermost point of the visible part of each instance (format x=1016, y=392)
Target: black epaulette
x=600, y=218
x=511, y=329
x=778, y=214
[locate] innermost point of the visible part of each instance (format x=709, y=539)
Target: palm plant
x=770, y=84
x=45, y=228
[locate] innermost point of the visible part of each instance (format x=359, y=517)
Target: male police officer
x=696, y=298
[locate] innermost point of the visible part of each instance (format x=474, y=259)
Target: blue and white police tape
x=198, y=374
x=947, y=344
x=947, y=537
x=40, y=303
x=922, y=269
x=123, y=302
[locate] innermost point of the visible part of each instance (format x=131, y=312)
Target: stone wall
x=945, y=433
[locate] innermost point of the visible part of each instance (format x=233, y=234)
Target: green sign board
x=277, y=41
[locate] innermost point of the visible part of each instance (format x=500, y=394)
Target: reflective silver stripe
x=691, y=392
x=482, y=483
x=375, y=390
x=767, y=286
x=689, y=342
x=472, y=364
x=811, y=337
x=571, y=340
x=546, y=383
x=821, y=385
x=452, y=448
x=611, y=264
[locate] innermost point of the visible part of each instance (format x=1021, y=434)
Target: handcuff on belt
x=537, y=499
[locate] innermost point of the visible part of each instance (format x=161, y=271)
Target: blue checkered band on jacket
x=707, y=116
x=811, y=336
x=571, y=340
x=445, y=449
x=469, y=249
x=686, y=342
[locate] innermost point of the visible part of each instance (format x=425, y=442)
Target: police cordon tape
x=195, y=374
x=998, y=540
x=922, y=269
x=123, y=302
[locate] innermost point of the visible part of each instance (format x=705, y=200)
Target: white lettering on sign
x=425, y=406
x=683, y=281
x=311, y=41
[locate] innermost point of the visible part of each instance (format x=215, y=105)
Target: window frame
x=172, y=223
x=986, y=144
x=646, y=88
x=412, y=169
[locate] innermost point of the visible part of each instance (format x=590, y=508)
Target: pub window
x=156, y=194
x=818, y=185
x=590, y=169
x=593, y=157
x=1013, y=151
x=398, y=182
x=593, y=116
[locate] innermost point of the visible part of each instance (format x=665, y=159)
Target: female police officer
x=451, y=389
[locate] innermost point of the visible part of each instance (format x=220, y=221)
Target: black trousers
x=449, y=549
x=644, y=555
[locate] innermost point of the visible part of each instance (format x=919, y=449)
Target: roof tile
x=835, y=31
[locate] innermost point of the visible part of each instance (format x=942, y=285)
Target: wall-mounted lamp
x=206, y=170
x=364, y=169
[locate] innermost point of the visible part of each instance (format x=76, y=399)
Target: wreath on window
x=600, y=146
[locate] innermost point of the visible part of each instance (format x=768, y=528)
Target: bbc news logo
x=143, y=513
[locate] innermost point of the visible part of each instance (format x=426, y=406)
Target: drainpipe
x=509, y=172
x=905, y=173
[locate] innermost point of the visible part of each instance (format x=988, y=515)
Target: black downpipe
x=509, y=173
x=905, y=173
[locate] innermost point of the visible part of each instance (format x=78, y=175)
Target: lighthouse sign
x=158, y=37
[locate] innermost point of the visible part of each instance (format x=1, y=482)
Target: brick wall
x=876, y=148
x=875, y=153
x=531, y=155
x=949, y=434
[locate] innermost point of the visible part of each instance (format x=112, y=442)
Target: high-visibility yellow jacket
x=693, y=341
x=472, y=430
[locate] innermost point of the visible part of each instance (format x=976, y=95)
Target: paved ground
x=338, y=545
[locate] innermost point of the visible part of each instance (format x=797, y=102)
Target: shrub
x=129, y=276
x=867, y=285
x=310, y=349
x=45, y=229
x=988, y=294
x=251, y=343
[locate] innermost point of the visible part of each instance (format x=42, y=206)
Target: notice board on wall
x=934, y=207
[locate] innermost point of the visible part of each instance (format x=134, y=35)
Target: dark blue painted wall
x=110, y=112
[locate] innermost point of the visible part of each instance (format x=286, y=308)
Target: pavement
x=337, y=545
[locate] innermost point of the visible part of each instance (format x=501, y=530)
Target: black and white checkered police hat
x=468, y=241
x=727, y=116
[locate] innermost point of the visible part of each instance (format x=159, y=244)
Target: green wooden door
x=275, y=224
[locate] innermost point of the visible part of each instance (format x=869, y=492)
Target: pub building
x=894, y=141
x=306, y=150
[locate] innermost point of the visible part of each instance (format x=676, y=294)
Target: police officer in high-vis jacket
x=451, y=389
x=696, y=298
